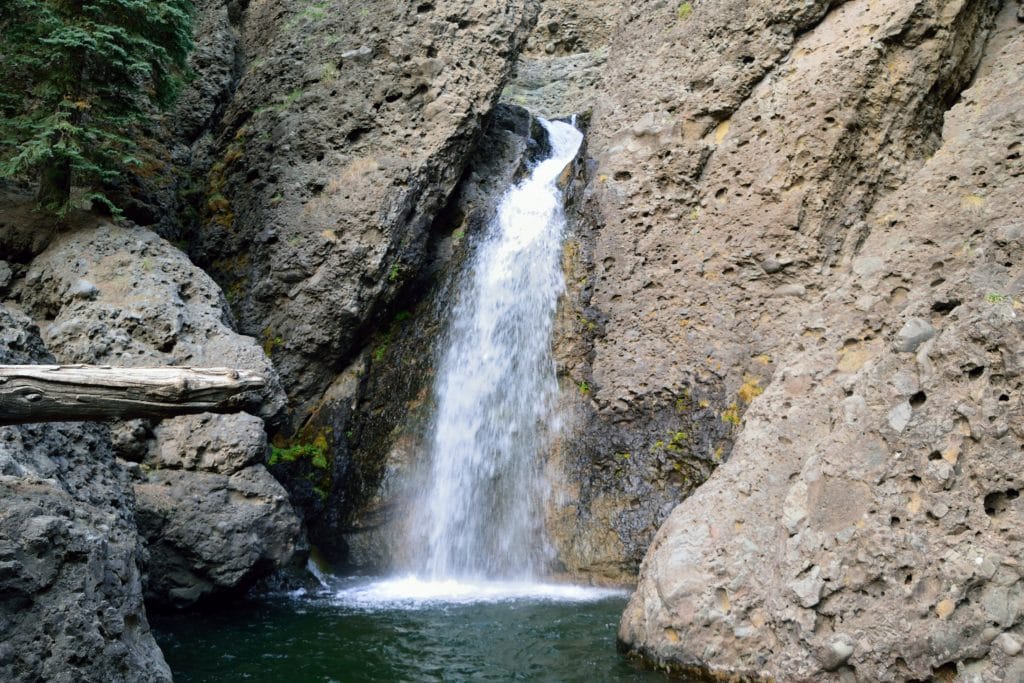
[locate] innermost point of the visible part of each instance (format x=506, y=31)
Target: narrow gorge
x=601, y=341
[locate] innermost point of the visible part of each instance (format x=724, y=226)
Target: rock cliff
x=70, y=558
x=349, y=127
x=213, y=518
x=822, y=219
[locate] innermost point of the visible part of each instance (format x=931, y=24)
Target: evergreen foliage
x=76, y=77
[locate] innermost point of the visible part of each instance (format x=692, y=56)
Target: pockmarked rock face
x=559, y=73
x=126, y=297
x=71, y=604
x=350, y=126
x=855, y=213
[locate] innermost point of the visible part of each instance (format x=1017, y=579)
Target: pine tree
x=76, y=78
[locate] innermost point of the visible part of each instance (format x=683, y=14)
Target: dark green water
x=326, y=639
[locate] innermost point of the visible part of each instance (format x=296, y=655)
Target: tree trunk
x=55, y=185
x=48, y=393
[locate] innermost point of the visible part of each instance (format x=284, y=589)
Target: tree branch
x=47, y=393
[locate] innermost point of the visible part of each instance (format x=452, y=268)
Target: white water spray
x=481, y=512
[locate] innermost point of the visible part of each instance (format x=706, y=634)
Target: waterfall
x=480, y=512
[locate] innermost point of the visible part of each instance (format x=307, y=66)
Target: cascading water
x=481, y=511
x=475, y=533
x=472, y=609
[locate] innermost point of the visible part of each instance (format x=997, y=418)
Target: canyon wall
x=788, y=349
x=820, y=215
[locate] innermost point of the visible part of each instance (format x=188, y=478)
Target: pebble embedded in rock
x=1010, y=644
x=836, y=654
x=899, y=416
x=914, y=332
x=360, y=54
x=83, y=289
x=808, y=589
x=790, y=290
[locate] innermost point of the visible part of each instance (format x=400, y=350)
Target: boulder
x=202, y=477
x=213, y=534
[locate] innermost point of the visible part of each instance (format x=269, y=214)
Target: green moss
x=312, y=13
x=236, y=290
x=314, y=452
x=279, y=107
x=996, y=298
x=271, y=341
x=586, y=323
x=584, y=387
x=382, y=348
x=685, y=10
x=329, y=72
x=678, y=441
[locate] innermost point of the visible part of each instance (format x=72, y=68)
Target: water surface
x=362, y=631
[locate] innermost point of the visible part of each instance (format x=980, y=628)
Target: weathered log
x=48, y=393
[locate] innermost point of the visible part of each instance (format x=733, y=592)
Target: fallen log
x=48, y=393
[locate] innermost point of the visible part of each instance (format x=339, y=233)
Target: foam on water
x=413, y=592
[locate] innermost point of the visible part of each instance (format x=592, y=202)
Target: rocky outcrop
x=214, y=519
x=210, y=533
x=350, y=126
x=821, y=211
x=559, y=72
x=124, y=296
x=70, y=582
